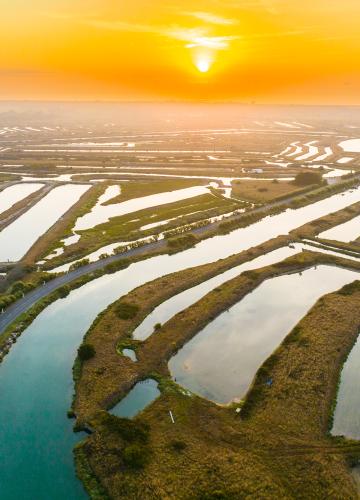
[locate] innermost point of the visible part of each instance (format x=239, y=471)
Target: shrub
x=63, y=291
x=157, y=327
x=135, y=456
x=178, y=445
x=78, y=264
x=125, y=310
x=19, y=286
x=86, y=351
x=129, y=430
x=307, y=178
x=350, y=288
x=182, y=241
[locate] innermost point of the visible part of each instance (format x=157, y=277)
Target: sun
x=203, y=64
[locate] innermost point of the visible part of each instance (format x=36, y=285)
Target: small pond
x=140, y=396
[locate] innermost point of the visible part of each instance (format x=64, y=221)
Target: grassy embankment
x=278, y=446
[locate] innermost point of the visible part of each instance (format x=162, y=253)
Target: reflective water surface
x=12, y=194
x=220, y=362
x=140, y=396
x=17, y=238
x=347, y=416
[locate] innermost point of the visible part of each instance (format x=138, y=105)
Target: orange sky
x=267, y=51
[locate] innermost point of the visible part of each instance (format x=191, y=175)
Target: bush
x=135, y=456
x=64, y=291
x=186, y=240
x=307, y=178
x=178, y=445
x=157, y=327
x=350, y=288
x=78, y=264
x=125, y=310
x=19, y=286
x=86, y=351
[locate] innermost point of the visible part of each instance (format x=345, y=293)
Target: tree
x=125, y=310
x=307, y=178
x=86, y=351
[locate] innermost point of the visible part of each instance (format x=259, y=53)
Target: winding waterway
x=35, y=378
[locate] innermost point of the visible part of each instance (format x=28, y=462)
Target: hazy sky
x=268, y=51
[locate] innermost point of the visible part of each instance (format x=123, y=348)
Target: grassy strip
x=63, y=228
x=333, y=247
x=149, y=296
x=313, y=228
x=26, y=268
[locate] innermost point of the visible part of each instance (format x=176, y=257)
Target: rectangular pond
x=140, y=396
x=349, y=231
x=17, y=238
x=13, y=194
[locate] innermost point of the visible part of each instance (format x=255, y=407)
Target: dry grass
x=279, y=448
x=262, y=191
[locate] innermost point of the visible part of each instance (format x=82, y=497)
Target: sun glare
x=203, y=65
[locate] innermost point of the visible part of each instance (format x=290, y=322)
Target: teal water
x=36, y=438
x=140, y=396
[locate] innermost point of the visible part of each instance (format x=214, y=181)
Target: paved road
x=24, y=304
